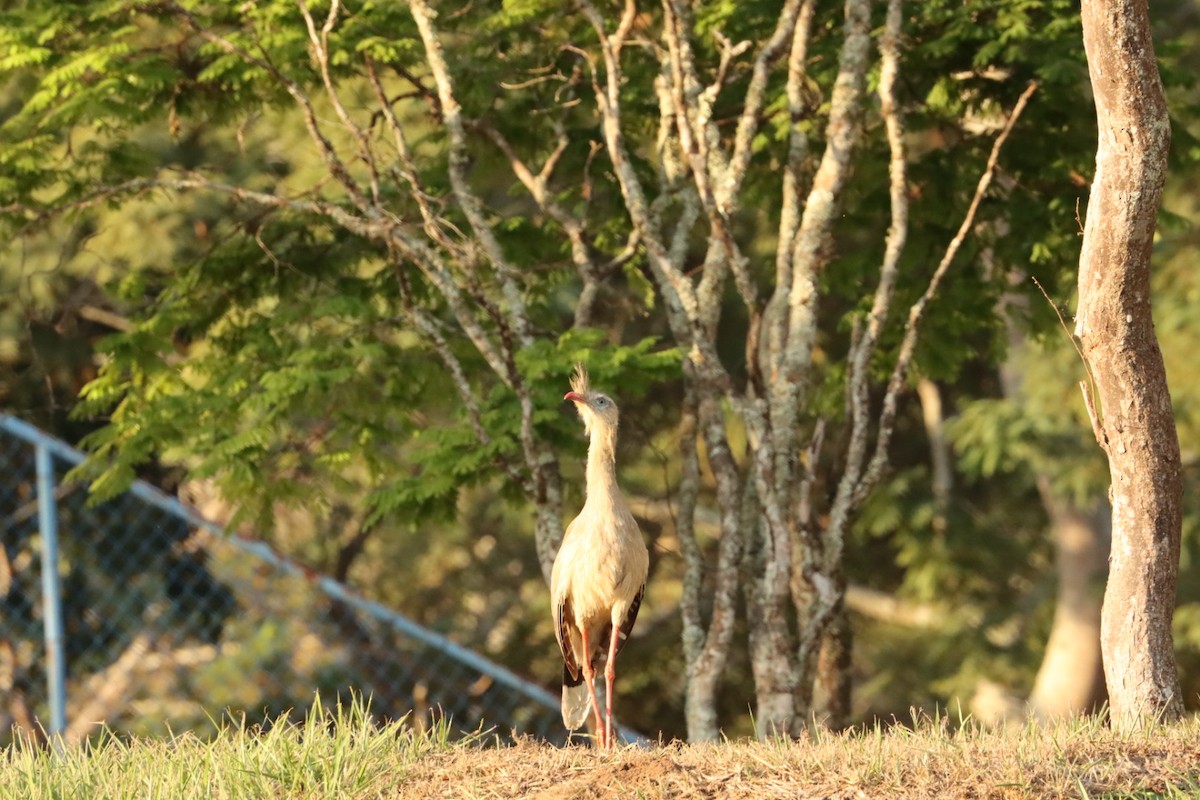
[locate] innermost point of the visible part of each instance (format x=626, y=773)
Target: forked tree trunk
x=1134, y=423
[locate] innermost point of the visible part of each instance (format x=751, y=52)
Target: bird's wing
x=560, y=598
x=630, y=617
x=562, y=619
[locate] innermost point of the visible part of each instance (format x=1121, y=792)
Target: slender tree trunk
x=831, y=696
x=940, y=456
x=1116, y=331
x=771, y=644
x=1070, y=680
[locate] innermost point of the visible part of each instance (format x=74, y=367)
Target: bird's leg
x=589, y=675
x=610, y=677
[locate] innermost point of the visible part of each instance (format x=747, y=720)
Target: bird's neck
x=602, y=466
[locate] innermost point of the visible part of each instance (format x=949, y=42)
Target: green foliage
x=447, y=459
x=1001, y=438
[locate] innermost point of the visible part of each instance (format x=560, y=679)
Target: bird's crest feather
x=579, y=381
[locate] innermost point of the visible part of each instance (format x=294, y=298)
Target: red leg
x=589, y=675
x=610, y=677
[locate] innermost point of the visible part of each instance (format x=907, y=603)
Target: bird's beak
x=574, y=397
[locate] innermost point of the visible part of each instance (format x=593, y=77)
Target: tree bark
x=1116, y=333
x=831, y=694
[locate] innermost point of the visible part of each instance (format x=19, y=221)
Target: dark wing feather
x=571, y=678
x=562, y=613
x=630, y=617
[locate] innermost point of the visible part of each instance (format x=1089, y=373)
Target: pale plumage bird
x=599, y=575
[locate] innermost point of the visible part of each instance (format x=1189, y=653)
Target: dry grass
x=1078, y=761
x=341, y=754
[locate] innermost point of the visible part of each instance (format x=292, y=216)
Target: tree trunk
x=1070, y=681
x=1116, y=332
x=771, y=646
x=831, y=694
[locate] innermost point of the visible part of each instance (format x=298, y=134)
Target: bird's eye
x=601, y=401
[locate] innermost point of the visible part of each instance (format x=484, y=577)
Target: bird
x=599, y=575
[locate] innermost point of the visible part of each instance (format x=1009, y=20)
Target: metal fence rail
x=153, y=619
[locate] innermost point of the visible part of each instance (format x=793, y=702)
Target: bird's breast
x=602, y=573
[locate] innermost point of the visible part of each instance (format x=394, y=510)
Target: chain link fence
x=154, y=621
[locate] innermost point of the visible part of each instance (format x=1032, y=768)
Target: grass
x=340, y=753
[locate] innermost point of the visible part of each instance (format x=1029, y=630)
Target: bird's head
x=595, y=408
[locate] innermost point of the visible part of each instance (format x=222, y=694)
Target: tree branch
x=320, y=52
x=581, y=256
x=677, y=291
x=865, y=345
x=451, y=113
x=333, y=161
x=896, y=382
x=774, y=337
x=790, y=372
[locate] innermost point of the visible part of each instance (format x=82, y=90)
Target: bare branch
x=728, y=51
x=333, y=161
x=820, y=593
x=425, y=325
x=555, y=156
x=433, y=222
x=458, y=158
x=699, y=140
x=899, y=374
x=888, y=608
x=691, y=107
x=790, y=372
x=515, y=328
x=1089, y=403
x=672, y=175
x=756, y=94
x=628, y=15
x=632, y=242
x=386, y=230
x=706, y=668
x=805, y=532
x=678, y=293
x=692, y=102
x=320, y=52
x=39, y=213
x=864, y=346
x=581, y=255
x=549, y=74
x=108, y=689
x=435, y=227
x=775, y=316
x=940, y=453
x=104, y=317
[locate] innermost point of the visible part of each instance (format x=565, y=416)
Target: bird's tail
x=576, y=700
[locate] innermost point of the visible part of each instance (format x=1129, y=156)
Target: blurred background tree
x=286, y=283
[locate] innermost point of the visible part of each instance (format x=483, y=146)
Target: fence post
x=56, y=672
